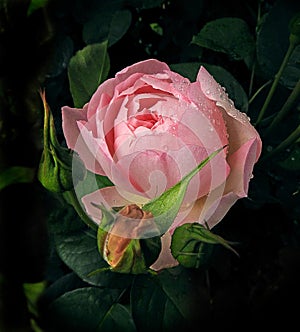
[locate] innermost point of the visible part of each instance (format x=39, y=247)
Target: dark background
x=263, y=283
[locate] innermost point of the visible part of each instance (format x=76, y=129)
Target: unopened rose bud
x=294, y=27
x=55, y=169
x=124, y=247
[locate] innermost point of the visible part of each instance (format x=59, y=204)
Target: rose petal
x=101, y=97
x=165, y=258
x=150, y=66
x=242, y=163
x=214, y=124
x=212, y=208
x=70, y=116
x=93, y=152
x=239, y=127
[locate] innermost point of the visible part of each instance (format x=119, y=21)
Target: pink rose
x=148, y=127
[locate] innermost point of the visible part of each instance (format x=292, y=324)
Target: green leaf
x=222, y=76
x=90, y=309
x=165, y=207
x=87, y=69
x=62, y=285
x=192, y=245
x=273, y=41
x=168, y=301
x=77, y=248
x=291, y=73
x=228, y=35
x=36, y=4
x=16, y=174
x=118, y=319
x=111, y=27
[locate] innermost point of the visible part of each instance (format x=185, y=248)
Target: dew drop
x=292, y=158
x=207, y=91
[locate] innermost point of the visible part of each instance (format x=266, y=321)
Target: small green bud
x=294, y=26
x=129, y=253
x=193, y=245
x=55, y=169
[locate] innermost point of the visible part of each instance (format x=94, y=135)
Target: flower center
x=148, y=120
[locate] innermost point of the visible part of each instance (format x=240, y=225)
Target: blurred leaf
x=90, y=309
x=292, y=162
x=88, y=68
x=166, y=302
x=228, y=35
x=16, y=174
x=145, y=4
x=32, y=292
x=108, y=26
x=63, y=47
x=36, y=4
x=165, y=207
x=273, y=41
x=222, y=76
x=157, y=28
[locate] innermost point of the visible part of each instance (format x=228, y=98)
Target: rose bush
x=148, y=127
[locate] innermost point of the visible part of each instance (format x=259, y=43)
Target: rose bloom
x=148, y=127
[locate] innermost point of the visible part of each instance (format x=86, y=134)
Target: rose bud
x=55, y=169
x=132, y=252
x=294, y=26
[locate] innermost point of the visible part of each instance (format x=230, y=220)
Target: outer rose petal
x=213, y=208
x=239, y=128
x=150, y=66
x=70, y=116
x=165, y=258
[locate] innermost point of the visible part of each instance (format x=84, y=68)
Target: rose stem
x=285, y=108
x=289, y=140
x=258, y=91
x=258, y=18
x=71, y=197
x=292, y=45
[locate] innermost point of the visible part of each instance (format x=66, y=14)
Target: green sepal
x=166, y=207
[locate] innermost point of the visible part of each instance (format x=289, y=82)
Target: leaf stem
x=285, y=108
x=284, y=144
x=71, y=197
x=261, y=114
